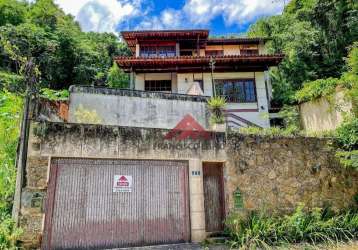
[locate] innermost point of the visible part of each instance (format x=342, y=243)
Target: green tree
x=314, y=35
x=12, y=12
x=117, y=78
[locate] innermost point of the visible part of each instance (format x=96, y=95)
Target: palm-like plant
x=216, y=106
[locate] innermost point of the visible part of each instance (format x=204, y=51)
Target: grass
x=260, y=231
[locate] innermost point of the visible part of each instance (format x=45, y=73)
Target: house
x=188, y=62
x=115, y=168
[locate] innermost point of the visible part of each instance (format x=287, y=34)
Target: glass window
x=238, y=91
x=157, y=51
x=158, y=85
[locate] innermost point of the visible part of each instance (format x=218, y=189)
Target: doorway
x=213, y=196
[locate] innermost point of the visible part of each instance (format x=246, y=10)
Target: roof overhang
x=198, y=64
x=133, y=37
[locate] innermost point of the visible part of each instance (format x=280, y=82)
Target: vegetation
x=10, y=113
x=216, y=105
x=315, y=36
x=261, y=231
x=64, y=54
x=117, y=78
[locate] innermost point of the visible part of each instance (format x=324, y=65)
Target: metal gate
x=83, y=212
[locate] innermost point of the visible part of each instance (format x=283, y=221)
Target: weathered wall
x=279, y=173
x=324, y=115
x=134, y=108
x=270, y=173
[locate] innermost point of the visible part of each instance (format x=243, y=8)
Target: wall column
x=197, y=212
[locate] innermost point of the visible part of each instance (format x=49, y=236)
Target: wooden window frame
x=215, y=51
x=222, y=81
x=154, y=85
x=156, y=48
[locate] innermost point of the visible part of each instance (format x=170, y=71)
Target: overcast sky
x=220, y=16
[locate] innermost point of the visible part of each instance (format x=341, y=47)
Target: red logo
x=188, y=127
x=122, y=181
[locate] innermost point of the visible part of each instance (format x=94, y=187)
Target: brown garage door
x=84, y=212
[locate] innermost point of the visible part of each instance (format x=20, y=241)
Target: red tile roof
x=131, y=37
x=142, y=63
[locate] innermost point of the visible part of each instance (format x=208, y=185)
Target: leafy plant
x=291, y=119
x=260, y=230
x=10, y=114
x=315, y=89
x=216, y=106
x=9, y=233
x=54, y=95
x=347, y=133
x=349, y=159
x=272, y=131
x=117, y=78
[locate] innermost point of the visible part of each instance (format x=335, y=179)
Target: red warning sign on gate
x=122, y=183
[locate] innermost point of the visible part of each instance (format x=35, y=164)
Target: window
x=158, y=85
x=236, y=90
x=157, y=51
x=249, y=52
x=214, y=52
x=201, y=84
x=186, y=53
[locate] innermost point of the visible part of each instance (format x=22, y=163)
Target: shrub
x=54, y=95
x=9, y=233
x=315, y=89
x=347, y=133
x=316, y=226
x=117, y=78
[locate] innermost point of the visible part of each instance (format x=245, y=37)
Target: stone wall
x=270, y=173
x=277, y=174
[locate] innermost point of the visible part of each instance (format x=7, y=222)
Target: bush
x=9, y=234
x=10, y=114
x=347, y=134
x=117, y=78
x=315, y=89
x=315, y=226
x=54, y=95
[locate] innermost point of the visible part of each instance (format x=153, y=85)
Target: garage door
x=97, y=204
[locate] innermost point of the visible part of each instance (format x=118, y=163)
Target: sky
x=221, y=17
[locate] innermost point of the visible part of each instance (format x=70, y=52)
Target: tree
x=64, y=54
x=314, y=35
x=117, y=78
x=12, y=12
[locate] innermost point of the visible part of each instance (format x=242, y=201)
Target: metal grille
x=83, y=212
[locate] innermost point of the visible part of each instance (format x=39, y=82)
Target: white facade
x=254, y=112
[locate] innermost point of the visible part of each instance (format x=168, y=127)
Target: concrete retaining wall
x=134, y=108
x=324, y=114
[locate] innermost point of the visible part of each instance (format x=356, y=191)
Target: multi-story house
x=189, y=62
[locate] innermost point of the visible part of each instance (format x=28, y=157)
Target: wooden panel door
x=213, y=196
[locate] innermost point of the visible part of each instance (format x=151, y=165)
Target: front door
x=213, y=196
